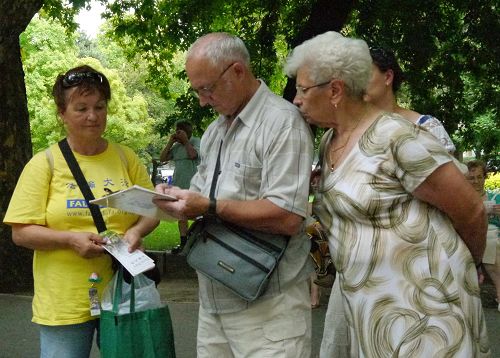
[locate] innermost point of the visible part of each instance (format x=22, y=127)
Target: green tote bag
x=144, y=334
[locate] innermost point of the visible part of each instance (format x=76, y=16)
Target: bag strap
x=216, y=173
x=82, y=183
x=117, y=294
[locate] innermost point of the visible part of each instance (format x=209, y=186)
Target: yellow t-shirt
x=52, y=198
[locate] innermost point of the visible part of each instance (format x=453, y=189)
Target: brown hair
x=477, y=164
x=89, y=81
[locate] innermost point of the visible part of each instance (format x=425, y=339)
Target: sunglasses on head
x=75, y=78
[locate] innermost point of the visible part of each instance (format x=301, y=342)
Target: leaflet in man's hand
x=137, y=200
x=135, y=262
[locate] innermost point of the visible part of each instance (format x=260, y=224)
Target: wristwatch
x=212, y=208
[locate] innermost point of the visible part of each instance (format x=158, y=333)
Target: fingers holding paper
x=87, y=244
x=40, y=237
x=188, y=205
x=135, y=234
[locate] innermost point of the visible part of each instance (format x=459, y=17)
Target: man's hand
x=187, y=206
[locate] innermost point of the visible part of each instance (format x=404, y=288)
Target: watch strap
x=212, y=207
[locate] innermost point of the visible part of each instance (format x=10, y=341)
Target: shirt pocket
x=242, y=177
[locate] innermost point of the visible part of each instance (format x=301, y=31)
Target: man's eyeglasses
x=301, y=91
x=208, y=90
x=75, y=78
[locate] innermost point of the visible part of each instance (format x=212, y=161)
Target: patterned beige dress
x=408, y=282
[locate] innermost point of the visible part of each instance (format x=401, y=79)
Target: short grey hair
x=220, y=47
x=331, y=55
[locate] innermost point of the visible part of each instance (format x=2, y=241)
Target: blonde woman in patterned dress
x=405, y=227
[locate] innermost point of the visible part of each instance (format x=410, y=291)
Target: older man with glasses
x=266, y=154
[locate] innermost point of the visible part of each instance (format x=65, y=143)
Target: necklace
x=332, y=151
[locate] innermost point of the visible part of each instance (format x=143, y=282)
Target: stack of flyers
x=135, y=262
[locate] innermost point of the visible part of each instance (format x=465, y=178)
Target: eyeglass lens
x=301, y=91
x=208, y=90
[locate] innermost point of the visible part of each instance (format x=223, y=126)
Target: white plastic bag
x=146, y=295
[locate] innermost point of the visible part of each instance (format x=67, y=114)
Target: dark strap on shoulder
x=82, y=183
x=216, y=174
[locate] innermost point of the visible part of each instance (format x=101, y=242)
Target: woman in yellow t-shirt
x=48, y=214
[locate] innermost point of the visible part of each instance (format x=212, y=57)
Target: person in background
x=182, y=148
x=476, y=175
x=405, y=228
x=385, y=82
x=266, y=153
x=51, y=216
x=154, y=171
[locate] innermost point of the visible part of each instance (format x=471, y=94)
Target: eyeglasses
x=208, y=90
x=75, y=78
x=301, y=91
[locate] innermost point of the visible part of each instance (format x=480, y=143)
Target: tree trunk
x=326, y=15
x=15, y=139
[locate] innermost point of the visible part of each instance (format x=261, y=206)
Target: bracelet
x=212, y=208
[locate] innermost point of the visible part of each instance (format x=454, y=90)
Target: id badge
x=95, y=307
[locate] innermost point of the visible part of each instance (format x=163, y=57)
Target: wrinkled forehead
x=200, y=71
x=77, y=93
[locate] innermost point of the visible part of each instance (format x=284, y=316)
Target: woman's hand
x=38, y=237
x=134, y=240
x=86, y=244
x=138, y=231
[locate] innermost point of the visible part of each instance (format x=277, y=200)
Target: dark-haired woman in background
x=49, y=215
x=385, y=81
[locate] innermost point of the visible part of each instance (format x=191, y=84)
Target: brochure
x=135, y=262
x=137, y=200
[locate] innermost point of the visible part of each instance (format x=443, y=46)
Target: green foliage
x=446, y=49
x=64, y=11
x=492, y=182
x=449, y=56
x=48, y=51
x=163, y=29
x=164, y=237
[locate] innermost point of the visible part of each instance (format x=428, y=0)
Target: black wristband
x=212, y=208
x=479, y=265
